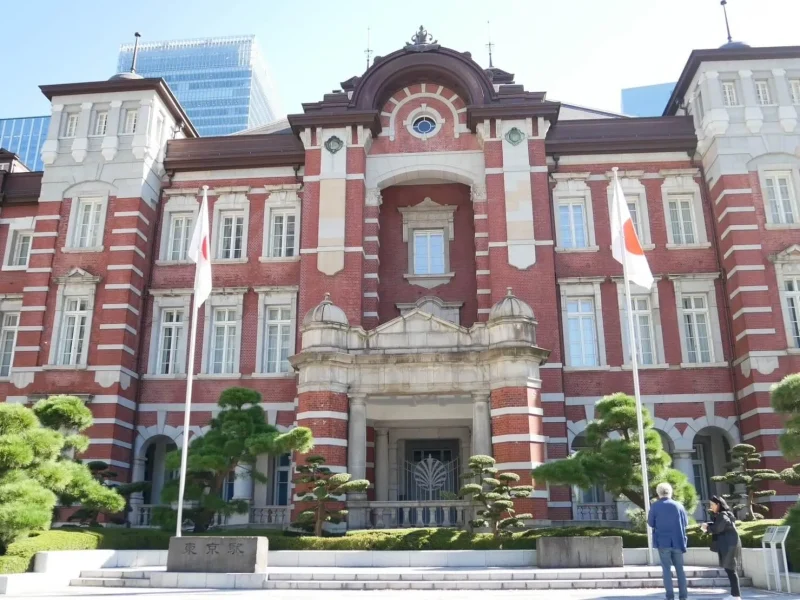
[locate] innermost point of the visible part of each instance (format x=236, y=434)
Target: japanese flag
x=199, y=253
x=625, y=245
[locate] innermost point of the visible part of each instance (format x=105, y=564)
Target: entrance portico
x=435, y=393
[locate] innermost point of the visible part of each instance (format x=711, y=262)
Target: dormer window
x=131, y=117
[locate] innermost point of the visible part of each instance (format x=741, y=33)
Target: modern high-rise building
x=646, y=100
x=223, y=83
x=24, y=137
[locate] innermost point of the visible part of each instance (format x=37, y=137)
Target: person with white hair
x=669, y=521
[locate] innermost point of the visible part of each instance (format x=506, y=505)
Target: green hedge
x=19, y=557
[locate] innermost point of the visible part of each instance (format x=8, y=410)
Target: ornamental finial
x=421, y=38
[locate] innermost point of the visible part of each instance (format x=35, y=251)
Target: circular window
x=424, y=125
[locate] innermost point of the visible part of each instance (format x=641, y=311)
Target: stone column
x=393, y=472
x=111, y=140
x=242, y=490
x=137, y=498
x=466, y=452
x=753, y=116
x=159, y=469
x=139, y=145
x=682, y=461
x=787, y=113
x=357, y=456
x=481, y=424
x=381, y=464
x=80, y=144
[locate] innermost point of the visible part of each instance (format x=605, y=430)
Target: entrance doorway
x=431, y=470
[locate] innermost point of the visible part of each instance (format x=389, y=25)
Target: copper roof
x=20, y=188
x=235, y=151
x=599, y=136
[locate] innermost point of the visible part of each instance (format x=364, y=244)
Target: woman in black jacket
x=725, y=542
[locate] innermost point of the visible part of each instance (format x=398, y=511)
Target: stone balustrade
x=410, y=514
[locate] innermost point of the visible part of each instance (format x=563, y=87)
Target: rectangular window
x=231, y=236
x=88, y=231
x=131, y=116
x=729, y=93
x=572, y=224
x=224, y=341
x=643, y=330
x=100, y=123
x=699, y=106
x=169, y=341
x=696, y=331
x=762, y=92
x=428, y=252
x=681, y=217
x=780, y=197
x=792, y=294
x=74, y=332
x=582, y=331
x=8, y=339
x=71, y=125
x=283, y=235
x=280, y=493
x=159, y=129
x=20, y=248
x=633, y=208
x=794, y=86
x=278, y=336
x=180, y=234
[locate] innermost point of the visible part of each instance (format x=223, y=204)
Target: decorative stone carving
x=478, y=193
x=428, y=214
x=515, y=136
x=447, y=311
x=333, y=144
x=373, y=197
x=421, y=41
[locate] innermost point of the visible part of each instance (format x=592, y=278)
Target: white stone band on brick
x=760, y=432
x=128, y=249
x=121, y=307
x=519, y=437
x=748, y=288
x=734, y=192
x=751, y=310
x=749, y=332
x=321, y=414
x=740, y=248
x=517, y=410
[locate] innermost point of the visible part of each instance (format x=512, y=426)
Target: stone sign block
x=575, y=552
x=197, y=554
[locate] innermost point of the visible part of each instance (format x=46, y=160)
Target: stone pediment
x=790, y=254
x=419, y=330
x=77, y=275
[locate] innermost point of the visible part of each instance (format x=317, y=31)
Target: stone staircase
x=404, y=578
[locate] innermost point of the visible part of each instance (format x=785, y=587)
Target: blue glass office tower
x=24, y=137
x=222, y=83
x=647, y=100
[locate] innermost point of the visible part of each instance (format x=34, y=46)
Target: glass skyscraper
x=24, y=137
x=222, y=83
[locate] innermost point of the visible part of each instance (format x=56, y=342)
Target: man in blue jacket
x=668, y=520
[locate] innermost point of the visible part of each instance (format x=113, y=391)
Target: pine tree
x=494, y=493
x=785, y=398
x=612, y=458
x=36, y=465
x=742, y=472
x=236, y=436
x=323, y=488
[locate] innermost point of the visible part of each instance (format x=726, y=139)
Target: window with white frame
x=643, y=330
x=633, y=209
x=100, y=123
x=572, y=223
x=70, y=125
x=230, y=240
x=170, y=341
x=180, y=234
x=19, y=249
x=780, y=197
x=648, y=336
x=791, y=294
x=283, y=229
x=794, y=87
x=582, y=332
x=9, y=321
x=281, y=474
x=695, y=319
x=74, y=331
x=429, y=256
x=88, y=226
x=729, y=93
x=277, y=339
x=763, y=96
x=131, y=117
x=681, y=220
x=224, y=341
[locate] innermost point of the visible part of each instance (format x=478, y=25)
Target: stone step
x=115, y=582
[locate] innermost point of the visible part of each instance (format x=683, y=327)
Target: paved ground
x=171, y=594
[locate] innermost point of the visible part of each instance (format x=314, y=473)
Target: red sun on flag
x=205, y=248
x=631, y=240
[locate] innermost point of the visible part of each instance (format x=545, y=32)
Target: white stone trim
x=569, y=289
x=735, y=209
x=77, y=283
x=655, y=323
x=234, y=300
x=392, y=133
x=518, y=466
x=321, y=414
x=572, y=186
x=184, y=203
x=132, y=213
x=748, y=288
x=129, y=249
x=759, y=432
x=18, y=225
x=87, y=190
x=330, y=442
x=284, y=200
x=517, y=410
x=739, y=191
x=731, y=228
x=274, y=296
x=123, y=286
x=737, y=268
x=519, y=437
x=740, y=248
x=751, y=310
x=634, y=191
x=236, y=202
x=749, y=332
x=423, y=111
x=767, y=168
x=126, y=268
x=134, y=230
x=703, y=284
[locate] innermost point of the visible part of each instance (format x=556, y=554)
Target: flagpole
x=635, y=366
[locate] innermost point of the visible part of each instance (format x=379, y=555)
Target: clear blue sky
x=578, y=51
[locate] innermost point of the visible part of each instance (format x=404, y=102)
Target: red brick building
x=460, y=225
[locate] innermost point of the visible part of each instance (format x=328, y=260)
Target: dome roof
x=510, y=307
x=125, y=75
x=326, y=312
x=733, y=45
